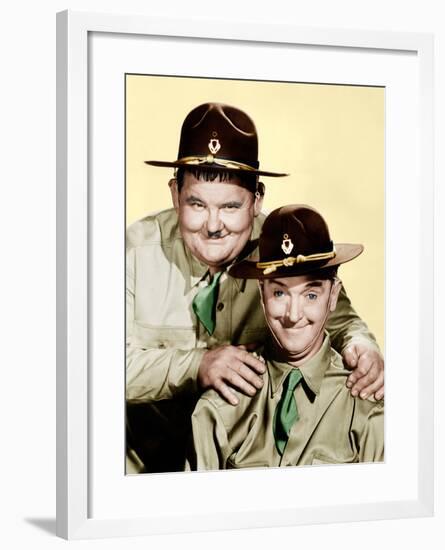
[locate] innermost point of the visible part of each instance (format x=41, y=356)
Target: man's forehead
x=210, y=189
x=203, y=177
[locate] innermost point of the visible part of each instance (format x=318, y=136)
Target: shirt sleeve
x=153, y=374
x=346, y=327
x=210, y=437
x=368, y=430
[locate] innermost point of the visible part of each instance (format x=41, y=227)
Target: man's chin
x=294, y=349
x=218, y=260
x=297, y=353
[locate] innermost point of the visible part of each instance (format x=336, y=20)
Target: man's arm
x=154, y=374
x=368, y=431
x=351, y=337
x=346, y=327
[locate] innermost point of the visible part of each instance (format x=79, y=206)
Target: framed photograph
x=349, y=116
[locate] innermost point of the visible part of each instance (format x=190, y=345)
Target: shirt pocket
x=250, y=449
x=147, y=336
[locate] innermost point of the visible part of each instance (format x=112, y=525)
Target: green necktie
x=286, y=413
x=204, y=303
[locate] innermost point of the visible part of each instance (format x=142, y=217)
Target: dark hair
x=323, y=274
x=246, y=180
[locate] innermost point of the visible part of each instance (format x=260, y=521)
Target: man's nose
x=214, y=222
x=295, y=311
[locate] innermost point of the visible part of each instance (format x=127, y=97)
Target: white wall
x=27, y=168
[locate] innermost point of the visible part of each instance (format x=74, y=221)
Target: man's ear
x=258, y=203
x=173, y=184
x=335, y=291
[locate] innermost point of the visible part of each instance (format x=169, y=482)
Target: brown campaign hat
x=294, y=240
x=218, y=137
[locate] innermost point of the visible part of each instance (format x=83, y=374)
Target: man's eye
x=312, y=296
x=278, y=293
x=231, y=207
x=197, y=205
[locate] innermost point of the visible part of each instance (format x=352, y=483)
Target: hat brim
x=249, y=270
x=213, y=167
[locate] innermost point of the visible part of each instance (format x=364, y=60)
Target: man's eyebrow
x=231, y=203
x=316, y=283
x=277, y=282
x=192, y=198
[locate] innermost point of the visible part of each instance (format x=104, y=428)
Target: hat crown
x=292, y=230
x=295, y=241
x=221, y=130
x=218, y=138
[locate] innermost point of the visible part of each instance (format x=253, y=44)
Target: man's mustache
x=215, y=234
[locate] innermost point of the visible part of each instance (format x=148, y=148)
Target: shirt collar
x=313, y=370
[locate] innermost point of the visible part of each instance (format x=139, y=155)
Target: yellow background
x=329, y=138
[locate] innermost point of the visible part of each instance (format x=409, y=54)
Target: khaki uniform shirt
x=333, y=426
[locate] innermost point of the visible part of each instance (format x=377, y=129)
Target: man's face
x=296, y=310
x=215, y=218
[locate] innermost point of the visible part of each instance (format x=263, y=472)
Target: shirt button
x=161, y=345
x=220, y=306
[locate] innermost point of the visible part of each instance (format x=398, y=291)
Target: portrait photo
x=318, y=151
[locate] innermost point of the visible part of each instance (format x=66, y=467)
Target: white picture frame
x=76, y=219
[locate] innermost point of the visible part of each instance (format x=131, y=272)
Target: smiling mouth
x=294, y=328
